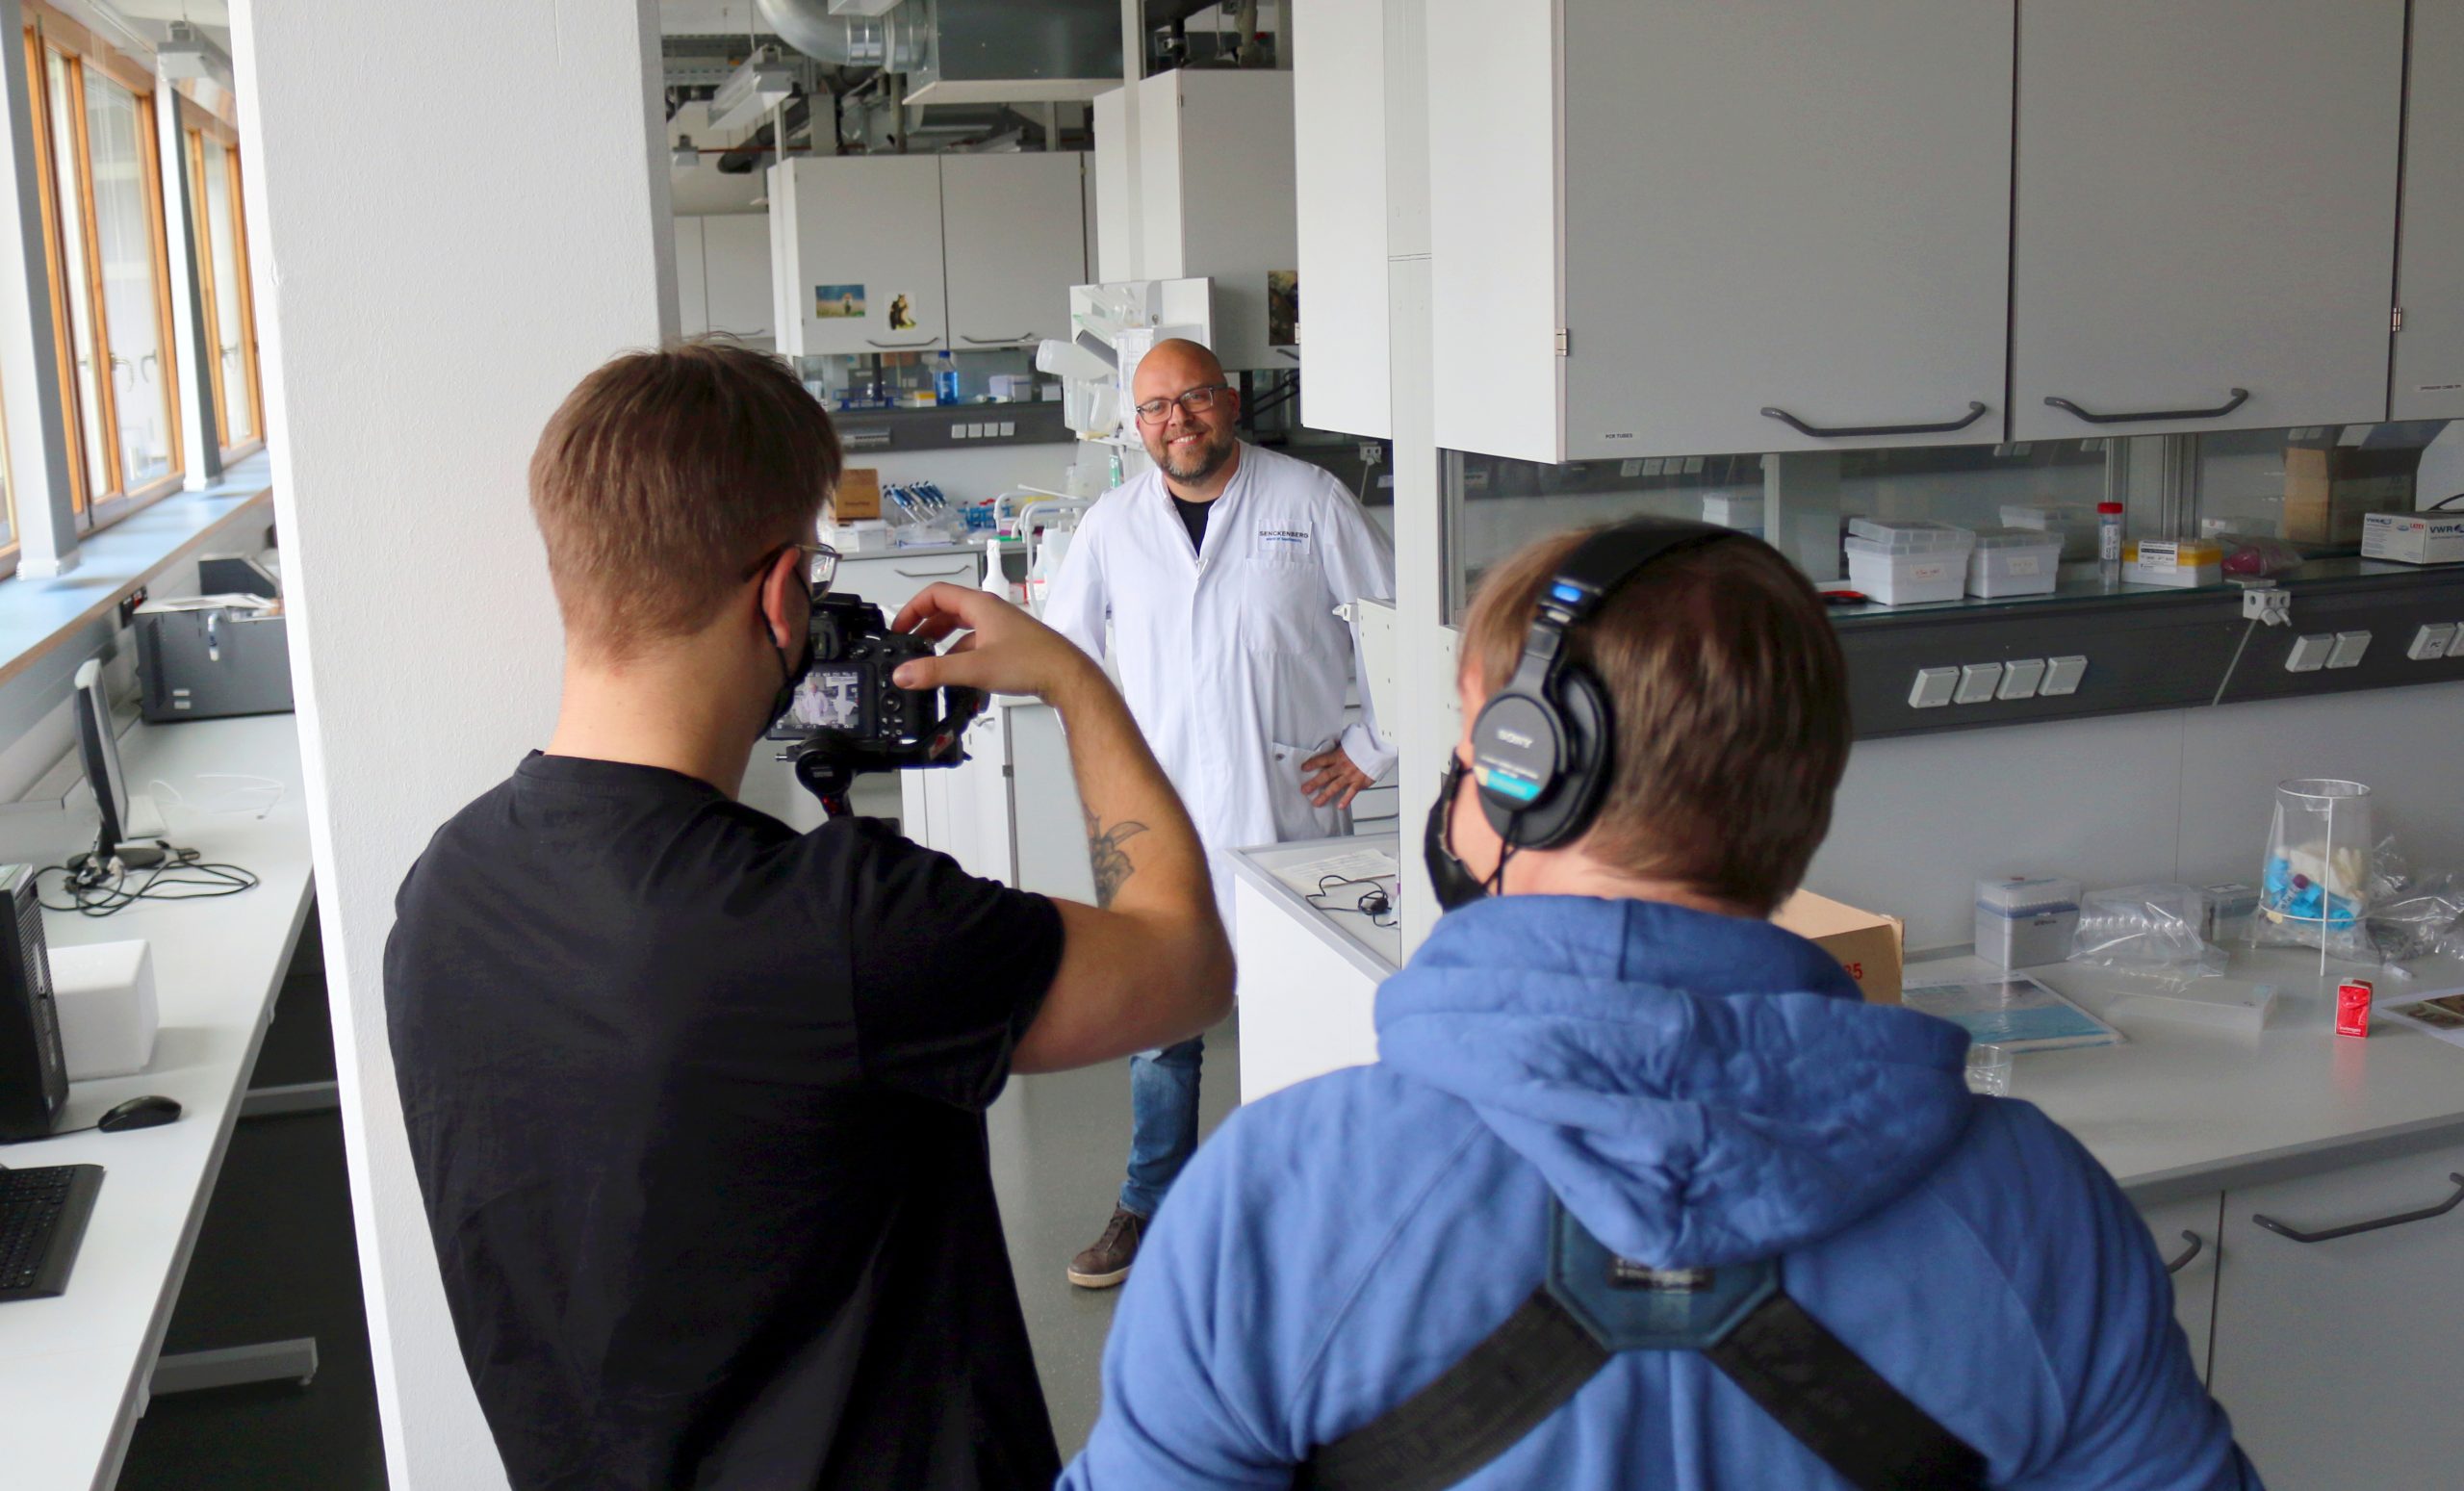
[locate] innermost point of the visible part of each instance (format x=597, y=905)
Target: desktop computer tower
x=34, y=1075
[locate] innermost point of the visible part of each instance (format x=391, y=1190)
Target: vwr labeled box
x=2414, y=537
x=1866, y=945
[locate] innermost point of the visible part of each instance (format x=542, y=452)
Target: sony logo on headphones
x=1521, y=743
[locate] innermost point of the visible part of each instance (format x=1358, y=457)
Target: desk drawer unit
x=2339, y=1303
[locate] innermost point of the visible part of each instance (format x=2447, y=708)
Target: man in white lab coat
x=1219, y=571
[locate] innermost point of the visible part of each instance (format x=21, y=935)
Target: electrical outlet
x=128, y=605
x=2271, y=605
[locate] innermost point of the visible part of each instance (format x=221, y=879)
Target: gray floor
x=1059, y=1143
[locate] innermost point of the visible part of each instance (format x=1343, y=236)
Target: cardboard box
x=2329, y=489
x=859, y=495
x=1866, y=945
x=2414, y=537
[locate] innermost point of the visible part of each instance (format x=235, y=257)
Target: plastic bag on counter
x=2417, y=920
x=2257, y=558
x=2140, y=928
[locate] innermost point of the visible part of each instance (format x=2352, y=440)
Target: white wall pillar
x=457, y=208
x=30, y=391
x=194, y=351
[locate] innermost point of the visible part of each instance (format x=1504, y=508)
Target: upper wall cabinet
x=1339, y=178
x=863, y=265
x=2206, y=211
x=2429, y=265
x=1016, y=230
x=692, y=302
x=736, y=275
x=1215, y=200
x=1773, y=226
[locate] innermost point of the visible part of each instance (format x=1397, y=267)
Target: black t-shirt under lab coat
x=696, y=1107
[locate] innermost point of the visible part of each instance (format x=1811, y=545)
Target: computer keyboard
x=42, y=1218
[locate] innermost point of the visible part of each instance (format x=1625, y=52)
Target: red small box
x=2352, y=1007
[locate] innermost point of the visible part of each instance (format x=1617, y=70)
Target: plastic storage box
x=1909, y=563
x=2025, y=921
x=2183, y=563
x=2075, y=522
x=2014, y=562
x=1741, y=511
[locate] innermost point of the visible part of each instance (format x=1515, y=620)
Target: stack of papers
x=2015, y=1013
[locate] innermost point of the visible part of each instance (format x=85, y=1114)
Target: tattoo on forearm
x=1112, y=865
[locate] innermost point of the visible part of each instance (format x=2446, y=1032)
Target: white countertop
x=1375, y=951
x=2175, y=1109
x=74, y=1370
x=2178, y=1109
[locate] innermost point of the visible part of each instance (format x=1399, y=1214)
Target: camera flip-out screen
x=829, y=697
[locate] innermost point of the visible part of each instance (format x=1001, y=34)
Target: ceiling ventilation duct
x=967, y=51
x=890, y=41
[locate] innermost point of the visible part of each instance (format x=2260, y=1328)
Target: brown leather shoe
x=1106, y=1262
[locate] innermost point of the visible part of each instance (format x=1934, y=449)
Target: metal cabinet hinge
x=2395, y=320
x=1565, y=342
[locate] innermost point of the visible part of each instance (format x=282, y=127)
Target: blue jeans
x=1163, y=1121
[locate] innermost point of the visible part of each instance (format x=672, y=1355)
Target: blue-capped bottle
x=946, y=378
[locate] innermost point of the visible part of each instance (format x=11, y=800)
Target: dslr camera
x=847, y=718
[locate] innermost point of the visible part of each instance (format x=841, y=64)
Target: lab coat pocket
x=1284, y=607
x=1295, y=815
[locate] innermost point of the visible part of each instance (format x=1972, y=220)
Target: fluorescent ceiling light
x=190, y=54
x=762, y=84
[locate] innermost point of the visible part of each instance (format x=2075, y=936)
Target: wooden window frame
x=210, y=298
x=47, y=32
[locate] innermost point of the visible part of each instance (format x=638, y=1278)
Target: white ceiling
x=707, y=17
x=205, y=13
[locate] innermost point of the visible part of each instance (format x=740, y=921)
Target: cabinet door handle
x=933, y=573
x=899, y=347
x=1023, y=335
x=2189, y=1253
x=2240, y=396
x=1975, y=412
x=2397, y=1220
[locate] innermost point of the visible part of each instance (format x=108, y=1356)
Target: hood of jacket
x=1697, y=1089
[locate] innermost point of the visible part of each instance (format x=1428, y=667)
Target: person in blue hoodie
x=1613, y=1028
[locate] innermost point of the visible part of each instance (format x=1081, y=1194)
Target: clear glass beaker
x=2315, y=882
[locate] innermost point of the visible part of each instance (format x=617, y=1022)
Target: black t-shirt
x=696, y=1106
x=1194, y=519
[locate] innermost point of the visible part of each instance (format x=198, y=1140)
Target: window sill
x=112, y=564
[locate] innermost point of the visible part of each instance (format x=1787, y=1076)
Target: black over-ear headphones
x=1540, y=748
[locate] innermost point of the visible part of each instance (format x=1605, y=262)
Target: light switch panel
x=2431, y=642
x=2349, y=648
x=2309, y=654
x=1933, y=688
x=2020, y=677
x=2062, y=676
x=1977, y=681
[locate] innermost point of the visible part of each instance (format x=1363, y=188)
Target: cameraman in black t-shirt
x=697, y=1101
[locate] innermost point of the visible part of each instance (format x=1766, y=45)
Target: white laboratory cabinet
x=2205, y=215
x=736, y=275
x=862, y=270
x=1339, y=116
x=692, y=299
x=1215, y=197
x=1770, y=226
x=2429, y=265
x=1013, y=228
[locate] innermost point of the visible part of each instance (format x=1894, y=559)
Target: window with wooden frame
x=104, y=244
x=227, y=303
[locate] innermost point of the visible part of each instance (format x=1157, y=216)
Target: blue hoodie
x=1697, y=1090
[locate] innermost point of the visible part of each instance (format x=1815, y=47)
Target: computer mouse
x=139, y=1112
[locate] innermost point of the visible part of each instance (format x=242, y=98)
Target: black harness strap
x=1802, y=1375
x=1476, y=1409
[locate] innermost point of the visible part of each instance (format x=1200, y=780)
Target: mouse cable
x=185, y=875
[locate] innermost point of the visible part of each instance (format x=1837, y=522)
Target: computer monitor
x=98, y=748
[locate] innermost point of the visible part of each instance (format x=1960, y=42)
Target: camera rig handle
x=829, y=761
